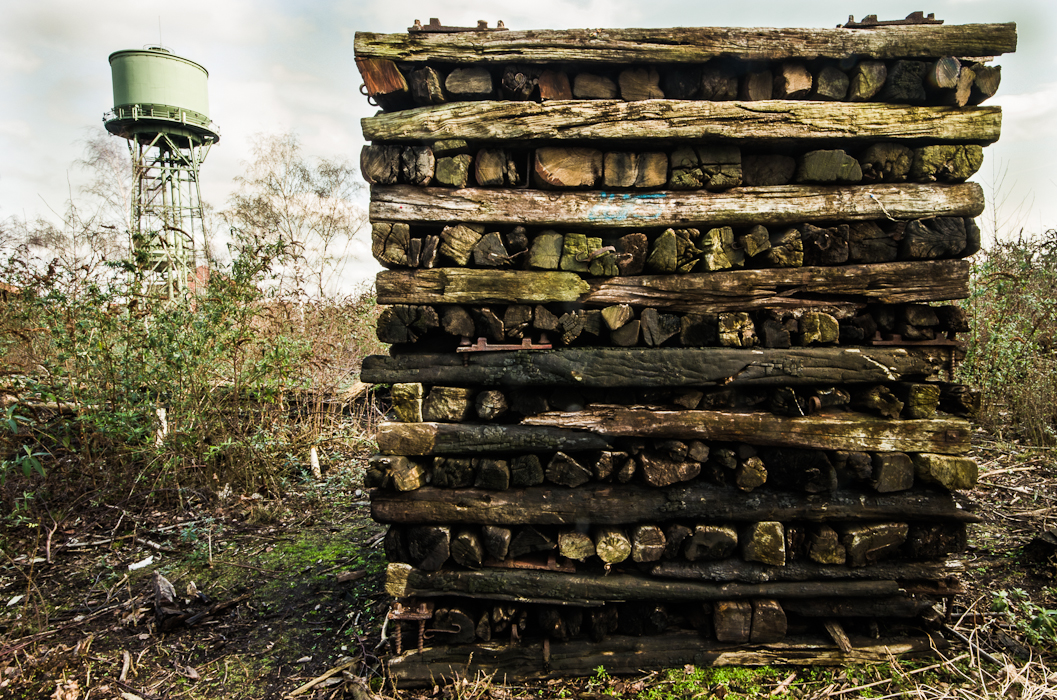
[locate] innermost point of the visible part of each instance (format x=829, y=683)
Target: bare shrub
x=1012, y=352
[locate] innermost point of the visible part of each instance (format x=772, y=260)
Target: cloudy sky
x=277, y=66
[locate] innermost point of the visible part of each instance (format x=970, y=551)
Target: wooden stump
x=380, y=164
x=905, y=83
x=611, y=545
x=577, y=545
x=892, y=471
x=566, y=471
x=764, y=542
x=554, y=85
x=448, y=404
x=710, y=543
x=640, y=84
x=493, y=167
x=948, y=471
x=417, y=165
x=828, y=167
x=428, y=546
x=866, y=544
x=824, y=546
x=427, y=86
x=769, y=624
x=792, y=81
x=647, y=543
x=492, y=474
x=867, y=79
x=473, y=83
x=467, y=549
x=559, y=166
x=588, y=86
x=732, y=620
x=767, y=170
x=831, y=83
x=385, y=83
x=454, y=171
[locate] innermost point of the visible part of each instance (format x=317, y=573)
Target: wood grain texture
x=801, y=570
x=739, y=290
x=690, y=44
x=843, y=431
x=743, y=290
x=619, y=504
x=461, y=286
x=625, y=655
x=403, y=580
x=659, y=367
x=745, y=206
x=463, y=438
x=763, y=121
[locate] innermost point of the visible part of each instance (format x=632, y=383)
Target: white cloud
x=281, y=65
x=1029, y=116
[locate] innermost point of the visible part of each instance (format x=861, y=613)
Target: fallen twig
x=23, y=642
x=973, y=645
x=784, y=685
x=319, y=679
x=1010, y=470
x=1022, y=491
x=907, y=673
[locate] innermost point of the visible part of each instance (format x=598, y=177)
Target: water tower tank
x=161, y=107
x=156, y=91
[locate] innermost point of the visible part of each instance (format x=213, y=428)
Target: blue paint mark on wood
x=621, y=207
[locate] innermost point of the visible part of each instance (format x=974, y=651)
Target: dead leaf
x=67, y=690
x=164, y=592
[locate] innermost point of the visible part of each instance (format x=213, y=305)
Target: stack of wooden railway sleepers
x=671, y=348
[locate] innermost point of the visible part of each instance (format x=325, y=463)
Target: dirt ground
x=284, y=597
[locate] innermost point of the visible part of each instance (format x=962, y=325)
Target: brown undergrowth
x=303, y=574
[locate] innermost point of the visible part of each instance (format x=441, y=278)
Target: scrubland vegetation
x=205, y=418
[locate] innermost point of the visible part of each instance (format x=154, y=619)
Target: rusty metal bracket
x=482, y=345
x=435, y=27
x=870, y=21
x=408, y=611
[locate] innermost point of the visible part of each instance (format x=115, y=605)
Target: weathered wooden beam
x=742, y=290
x=462, y=438
x=690, y=44
x=752, y=572
x=745, y=206
x=619, y=504
x=659, y=367
x=597, y=426
x=403, y=580
x=622, y=655
x=893, y=606
x=764, y=121
x=841, y=431
x=738, y=290
x=450, y=285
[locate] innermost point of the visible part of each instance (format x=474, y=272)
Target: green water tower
x=161, y=107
